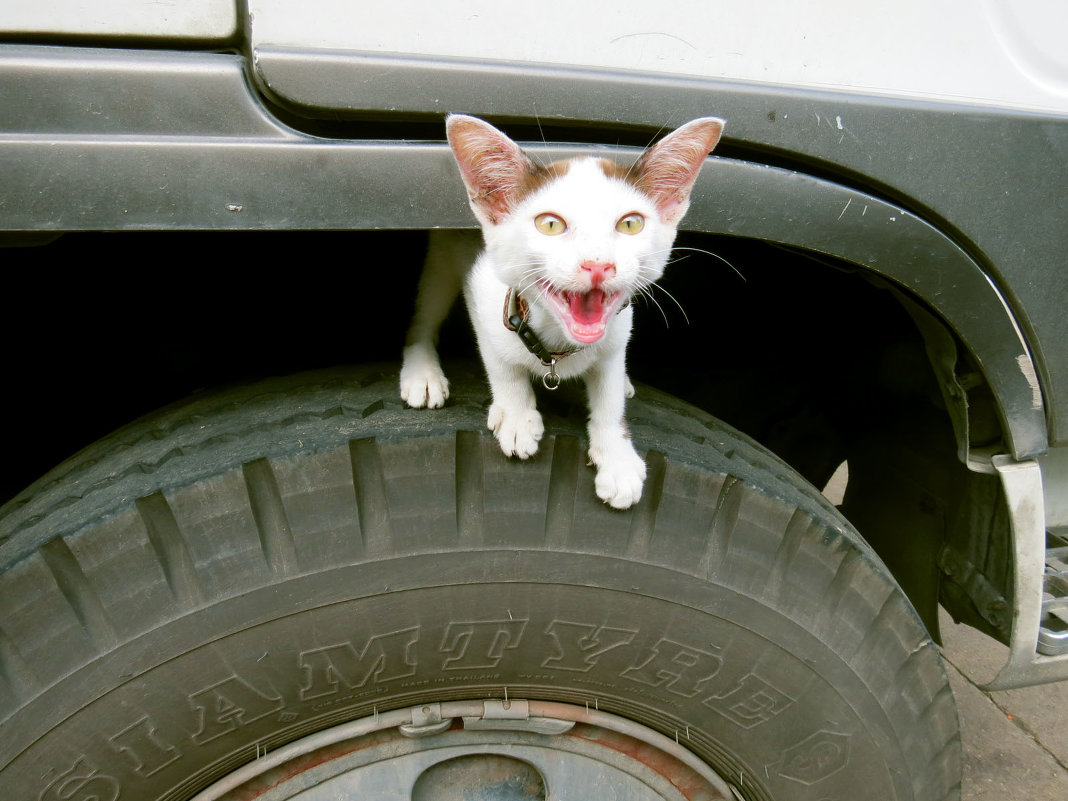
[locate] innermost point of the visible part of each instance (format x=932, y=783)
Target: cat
x=566, y=246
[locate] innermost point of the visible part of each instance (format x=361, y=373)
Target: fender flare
x=207, y=154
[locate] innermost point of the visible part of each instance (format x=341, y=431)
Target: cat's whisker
x=638, y=161
x=536, y=285
x=647, y=295
x=541, y=293
x=708, y=253
x=531, y=277
x=541, y=133
x=645, y=284
x=685, y=316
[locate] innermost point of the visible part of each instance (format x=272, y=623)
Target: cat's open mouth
x=585, y=314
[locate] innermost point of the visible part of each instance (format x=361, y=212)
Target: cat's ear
x=495, y=169
x=667, y=171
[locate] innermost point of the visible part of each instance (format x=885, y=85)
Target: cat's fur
x=554, y=235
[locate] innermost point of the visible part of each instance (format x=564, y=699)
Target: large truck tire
x=238, y=594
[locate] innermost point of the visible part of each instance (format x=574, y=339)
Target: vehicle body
x=887, y=217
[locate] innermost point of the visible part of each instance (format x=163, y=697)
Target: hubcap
x=478, y=751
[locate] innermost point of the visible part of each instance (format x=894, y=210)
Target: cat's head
x=578, y=238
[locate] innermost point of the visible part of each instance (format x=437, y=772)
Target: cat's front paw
x=620, y=474
x=517, y=430
x=422, y=381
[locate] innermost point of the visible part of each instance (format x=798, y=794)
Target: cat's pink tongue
x=587, y=315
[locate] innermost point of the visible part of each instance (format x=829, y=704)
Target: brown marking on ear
x=497, y=173
x=667, y=171
x=493, y=167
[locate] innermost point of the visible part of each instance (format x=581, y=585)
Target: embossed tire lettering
x=233, y=574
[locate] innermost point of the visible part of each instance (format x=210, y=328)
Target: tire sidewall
x=761, y=699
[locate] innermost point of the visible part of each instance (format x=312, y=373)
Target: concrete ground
x=1015, y=741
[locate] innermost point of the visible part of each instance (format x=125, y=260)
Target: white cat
x=566, y=247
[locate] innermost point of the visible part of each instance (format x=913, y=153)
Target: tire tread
x=251, y=447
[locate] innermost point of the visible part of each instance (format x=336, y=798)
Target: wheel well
x=826, y=364
x=815, y=359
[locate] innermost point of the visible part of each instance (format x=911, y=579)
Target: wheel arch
x=978, y=358
x=891, y=243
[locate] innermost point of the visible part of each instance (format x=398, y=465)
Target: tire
x=238, y=572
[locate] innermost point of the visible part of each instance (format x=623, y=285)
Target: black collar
x=516, y=311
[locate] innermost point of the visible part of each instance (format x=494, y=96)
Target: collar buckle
x=516, y=310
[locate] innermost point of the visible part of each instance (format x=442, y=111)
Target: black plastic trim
x=105, y=140
x=990, y=179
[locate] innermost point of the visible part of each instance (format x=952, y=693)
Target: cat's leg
x=513, y=415
x=620, y=470
x=449, y=255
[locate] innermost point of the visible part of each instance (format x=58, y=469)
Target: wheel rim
x=488, y=750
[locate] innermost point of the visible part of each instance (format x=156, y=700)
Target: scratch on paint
x=652, y=33
x=1027, y=367
x=845, y=208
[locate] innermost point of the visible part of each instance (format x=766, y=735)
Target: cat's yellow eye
x=631, y=224
x=550, y=224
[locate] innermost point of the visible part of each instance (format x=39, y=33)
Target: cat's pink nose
x=598, y=271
